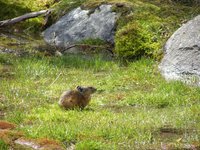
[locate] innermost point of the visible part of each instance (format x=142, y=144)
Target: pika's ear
x=79, y=88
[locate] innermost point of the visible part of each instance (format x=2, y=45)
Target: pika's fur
x=78, y=98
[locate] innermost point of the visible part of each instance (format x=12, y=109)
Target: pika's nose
x=94, y=89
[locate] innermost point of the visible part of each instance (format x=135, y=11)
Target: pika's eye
x=92, y=88
x=79, y=88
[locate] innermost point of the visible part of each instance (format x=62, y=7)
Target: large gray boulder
x=81, y=24
x=182, y=54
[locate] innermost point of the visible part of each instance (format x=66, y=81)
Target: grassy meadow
x=134, y=108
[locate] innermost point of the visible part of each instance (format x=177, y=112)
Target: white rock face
x=81, y=24
x=182, y=54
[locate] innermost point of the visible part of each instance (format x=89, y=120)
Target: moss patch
x=10, y=9
x=133, y=42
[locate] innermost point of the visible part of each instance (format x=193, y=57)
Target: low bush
x=133, y=42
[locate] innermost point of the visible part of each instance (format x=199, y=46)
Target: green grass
x=3, y=145
x=131, y=107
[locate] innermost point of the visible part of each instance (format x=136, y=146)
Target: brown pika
x=78, y=98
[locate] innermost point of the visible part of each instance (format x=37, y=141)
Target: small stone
x=39, y=144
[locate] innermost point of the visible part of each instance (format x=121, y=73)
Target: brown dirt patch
x=6, y=125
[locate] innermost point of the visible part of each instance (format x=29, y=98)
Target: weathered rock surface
x=182, y=54
x=42, y=144
x=81, y=24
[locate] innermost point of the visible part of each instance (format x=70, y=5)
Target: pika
x=78, y=98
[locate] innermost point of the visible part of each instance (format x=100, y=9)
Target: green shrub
x=132, y=41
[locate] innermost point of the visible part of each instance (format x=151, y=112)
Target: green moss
x=133, y=42
x=10, y=9
x=90, y=4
